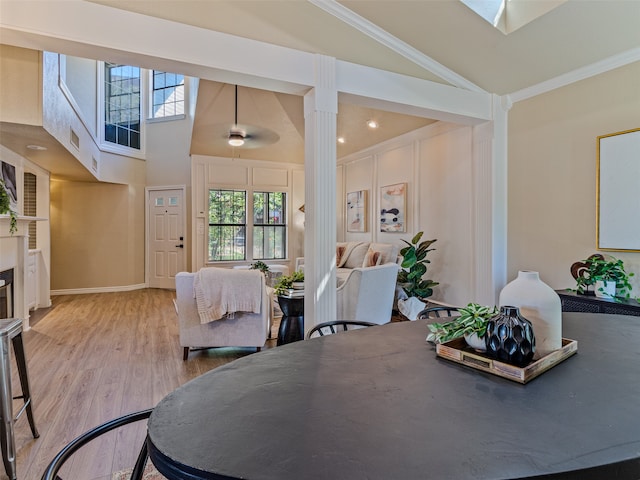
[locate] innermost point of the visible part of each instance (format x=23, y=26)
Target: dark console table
x=572, y=302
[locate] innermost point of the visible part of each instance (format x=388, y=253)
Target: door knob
x=180, y=246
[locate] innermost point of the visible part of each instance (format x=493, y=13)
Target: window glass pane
x=168, y=94
x=122, y=105
x=269, y=231
x=227, y=214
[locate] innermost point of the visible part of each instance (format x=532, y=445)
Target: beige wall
x=552, y=172
x=97, y=235
x=20, y=85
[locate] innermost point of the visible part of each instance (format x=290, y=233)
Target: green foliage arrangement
x=605, y=269
x=414, y=267
x=259, y=265
x=5, y=208
x=285, y=282
x=473, y=319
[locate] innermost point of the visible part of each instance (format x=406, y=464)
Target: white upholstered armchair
x=367, y=294
x=245, y=329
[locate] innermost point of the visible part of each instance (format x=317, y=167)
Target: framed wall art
x=393, y=208
x=357, y=211
x=8, y=176
x=617, y=192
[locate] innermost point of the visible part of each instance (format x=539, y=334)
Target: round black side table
x=292, y=323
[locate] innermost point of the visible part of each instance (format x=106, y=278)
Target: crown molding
x=407, y=51
x=615, y=61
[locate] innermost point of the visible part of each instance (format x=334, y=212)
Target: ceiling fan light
x=236, y=140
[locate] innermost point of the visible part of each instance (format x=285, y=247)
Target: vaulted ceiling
x=443, y=41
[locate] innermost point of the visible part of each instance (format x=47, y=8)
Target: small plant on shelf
x=259, y=265
x=285, y=282
x=611, y=269
x=473, y=319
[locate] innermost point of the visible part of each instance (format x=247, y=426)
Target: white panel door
x=166, y=237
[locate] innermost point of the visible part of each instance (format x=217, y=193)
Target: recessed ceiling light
x=372, y=124
x=341, y=140
x=36, y=147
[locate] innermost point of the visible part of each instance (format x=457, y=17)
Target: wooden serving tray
x=458, y=351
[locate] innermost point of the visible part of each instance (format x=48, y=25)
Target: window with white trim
x=230, y=224
x=122, y=111
x=167, y=94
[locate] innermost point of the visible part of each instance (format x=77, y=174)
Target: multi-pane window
x=269, y=228
x=122, y=105
x=167, y=94
x=229, y=225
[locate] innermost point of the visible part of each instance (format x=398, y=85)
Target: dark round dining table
x=377, y=403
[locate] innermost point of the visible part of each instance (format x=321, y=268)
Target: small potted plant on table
x=291, y=302
x=471, y=324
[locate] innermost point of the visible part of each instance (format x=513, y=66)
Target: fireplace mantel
x=23, y=225
x=15, y=249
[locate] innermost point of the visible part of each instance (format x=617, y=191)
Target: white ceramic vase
x=605, y=289
x=539, y=304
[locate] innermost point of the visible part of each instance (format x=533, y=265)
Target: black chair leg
x=21, y=360
x=141, y=462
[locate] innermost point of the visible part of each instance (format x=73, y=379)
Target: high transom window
x=122, y=105
x=167, y=94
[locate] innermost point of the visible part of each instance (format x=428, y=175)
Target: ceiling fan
x=240, y=135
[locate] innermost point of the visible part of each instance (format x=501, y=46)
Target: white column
x=320, y=111
x=490, y=159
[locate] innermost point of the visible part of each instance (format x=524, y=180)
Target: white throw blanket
x=222, y=291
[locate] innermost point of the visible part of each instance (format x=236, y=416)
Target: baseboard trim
x=82, y=291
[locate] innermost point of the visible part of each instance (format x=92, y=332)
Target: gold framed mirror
x=618, y=191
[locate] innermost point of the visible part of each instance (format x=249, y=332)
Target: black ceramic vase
x=510, y=338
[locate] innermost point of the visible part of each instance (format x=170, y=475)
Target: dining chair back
x=336, y=326
x=51, y=473
x=438, y=312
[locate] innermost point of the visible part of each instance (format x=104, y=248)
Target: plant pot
x=475, y=342
x=605, y=289
x=298, y=285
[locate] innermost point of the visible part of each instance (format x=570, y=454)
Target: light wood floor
x=92, y=358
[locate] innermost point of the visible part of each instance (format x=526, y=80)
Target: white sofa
x=244, y=330
x=350, y=255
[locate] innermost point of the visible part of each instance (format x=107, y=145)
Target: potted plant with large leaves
x=5, y=208
x=414, y=267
